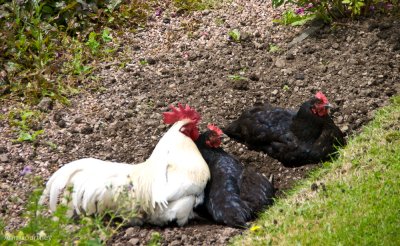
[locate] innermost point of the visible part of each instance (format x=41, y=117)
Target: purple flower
x=159, y=11
x=372, y=8
x=27, y=170
x=389, y=6
x=309, y=6
x=299, y=11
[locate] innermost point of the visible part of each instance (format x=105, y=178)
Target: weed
x=59, y=228
x=234, y=35
x=289, y=17
x=155, y=239
x=44, y=41
x=195, y=5
x=285, y=88
x=106, y=36
x=23, y=120
x=236, y=77
x=274, y=48
x=143, y=62
x=52, y=145
x=219, y=21
x=92, y=43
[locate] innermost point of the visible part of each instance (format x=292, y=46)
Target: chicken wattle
x=164, y=188
x=234, y=194
x=294, y=138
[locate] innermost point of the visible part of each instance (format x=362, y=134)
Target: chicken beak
x=328, y=106
x=223, y=135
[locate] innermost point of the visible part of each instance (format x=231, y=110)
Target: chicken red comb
x=180, y=113
x=322, y=97
x=215, y=128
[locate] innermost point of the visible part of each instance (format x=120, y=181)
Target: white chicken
x=164, y=188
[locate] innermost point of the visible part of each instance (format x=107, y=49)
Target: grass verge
x=354, y=200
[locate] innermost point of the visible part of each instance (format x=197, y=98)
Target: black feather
x=233, y=195
x=292, y=138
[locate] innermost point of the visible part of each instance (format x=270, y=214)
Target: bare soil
x=191, y=60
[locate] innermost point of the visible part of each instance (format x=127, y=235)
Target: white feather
x=165, y=187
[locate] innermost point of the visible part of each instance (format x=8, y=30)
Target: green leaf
x=234, y=35
x=37, y=133
x=303, y=21
x=277, y=3
x=105, y=35
x=93, y=242
x=25, y=115
x=24, y=136
x=273, y=48
x=236, y=77
x=47, y=9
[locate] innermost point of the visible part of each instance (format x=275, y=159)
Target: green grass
x=358, y=197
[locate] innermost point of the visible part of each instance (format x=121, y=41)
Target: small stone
x=59, y=115
x=308, y=50
x=353, y=61
x=335, y=46
x=299, y=76
x=227, y=232
x=87, y=129
x=151, y=61
x=280, y=63
x=45, y=104
x=3, y=150
x=167, y=20
x=344, y=128
x=245, y=37
x=134, y=241
x=290, y=56
x=108, y=116
x=130, y=232
x=4, y=186
x=254, y=77
x=4, y=158
x=61, y=123
x=287, y=71
x=1, y=169
x=164, y=71
x=241, y=85
x=205, y=12
x=78, y=120
x=274, y=92
x=128, y=113
x=258, y=45
x=175, y=243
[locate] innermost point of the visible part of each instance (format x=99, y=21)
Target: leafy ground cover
x=351, y=201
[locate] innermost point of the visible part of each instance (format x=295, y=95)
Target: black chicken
x=295, y=139
x=233, y=195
